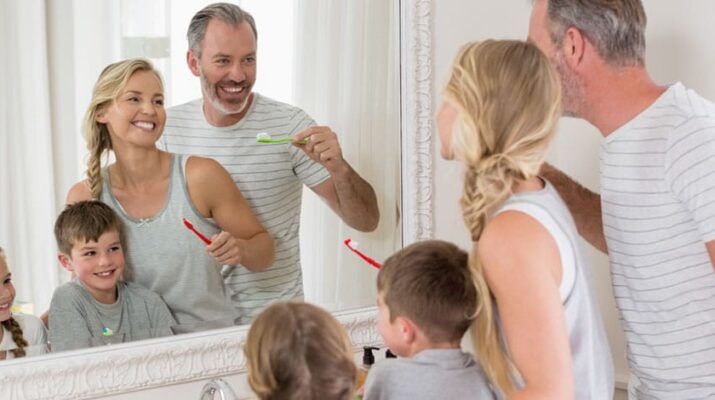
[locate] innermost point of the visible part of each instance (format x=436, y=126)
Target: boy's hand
x=226, y=249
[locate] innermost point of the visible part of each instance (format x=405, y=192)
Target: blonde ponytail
x=508, y=102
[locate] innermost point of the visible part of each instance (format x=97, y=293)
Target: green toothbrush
x=263, y=137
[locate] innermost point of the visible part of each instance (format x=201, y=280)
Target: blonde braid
x=17, y=337
x=486, y=186
x=96, y=145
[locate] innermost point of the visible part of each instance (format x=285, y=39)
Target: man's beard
x=572, y=88
x=215, y=100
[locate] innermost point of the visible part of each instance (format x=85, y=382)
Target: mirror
x=77, y=29
x=159, y=362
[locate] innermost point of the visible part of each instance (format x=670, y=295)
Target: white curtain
x=53, y=52
x=347, y=77
x=27, y=195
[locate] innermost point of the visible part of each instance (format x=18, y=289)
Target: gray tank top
x=168, y=259
x=592, y=361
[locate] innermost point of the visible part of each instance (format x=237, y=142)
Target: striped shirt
x=271, y=178
x=658, y=202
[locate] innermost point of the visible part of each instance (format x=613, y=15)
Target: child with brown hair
x=20, y=334
x=297, y=351
x=426, y=302
x=98, y=306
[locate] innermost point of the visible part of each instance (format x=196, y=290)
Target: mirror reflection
x=280, y=237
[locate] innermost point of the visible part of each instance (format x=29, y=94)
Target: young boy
x=426, y=302
x=97, y=306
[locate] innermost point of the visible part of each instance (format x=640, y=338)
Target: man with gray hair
x=654, y=215
x=224, y=125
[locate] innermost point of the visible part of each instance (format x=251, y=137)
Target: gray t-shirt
x=77, y=320
x=168, y=259
x=431, y=374
x=270, y=177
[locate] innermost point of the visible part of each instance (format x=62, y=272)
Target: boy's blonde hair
x=85, y=221
x=430, y=283
x=108, y=87
x=297, y=351
x=14, y=327
x=508, y=101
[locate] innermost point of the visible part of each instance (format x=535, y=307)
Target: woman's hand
x=226, y=249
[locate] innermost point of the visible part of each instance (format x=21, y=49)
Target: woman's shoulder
x=516, y=240
x=512, y=228
x=80, y=191
x=207, y=175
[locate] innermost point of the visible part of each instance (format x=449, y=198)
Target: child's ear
x=66, y=261
x=408, y=329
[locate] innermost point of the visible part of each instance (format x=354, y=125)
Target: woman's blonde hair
x=298, y=351
x=109, y=86
x=14, y=327
x=508, y=102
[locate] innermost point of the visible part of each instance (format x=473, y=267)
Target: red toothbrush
x=363, y=256
x=192, y=229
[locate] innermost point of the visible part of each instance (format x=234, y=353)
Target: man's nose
x=237, y=73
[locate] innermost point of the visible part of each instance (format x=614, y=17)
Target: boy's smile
x=98, y=265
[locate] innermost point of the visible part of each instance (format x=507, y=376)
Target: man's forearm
x=584, y=205
x=357, y=200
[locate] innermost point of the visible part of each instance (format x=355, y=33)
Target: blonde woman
x=297, y=351
x=500, y=112
x=152, y=191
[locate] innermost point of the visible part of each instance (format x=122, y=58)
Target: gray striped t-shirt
x=271, y=178
x=658, y=203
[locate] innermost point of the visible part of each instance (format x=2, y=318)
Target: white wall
x=679, y=47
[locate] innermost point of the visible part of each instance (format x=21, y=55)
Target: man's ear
x=193, y=62
x=573, y=47
x=66, y=261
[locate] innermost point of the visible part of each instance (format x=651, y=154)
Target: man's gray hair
x=616, y=28
x=226, y=12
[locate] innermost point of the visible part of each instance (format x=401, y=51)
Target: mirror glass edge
x=44, y=377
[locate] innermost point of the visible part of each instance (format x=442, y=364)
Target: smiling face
x=7, y=290
x=227, y=69
x=98, y=265
x=137, y=115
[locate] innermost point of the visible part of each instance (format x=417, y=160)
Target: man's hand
x=322, y=146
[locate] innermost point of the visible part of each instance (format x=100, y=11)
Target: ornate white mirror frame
x=160, y=362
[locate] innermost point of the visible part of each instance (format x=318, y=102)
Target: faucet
x=217, y=386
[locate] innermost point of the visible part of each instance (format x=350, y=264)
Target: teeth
x=233, y=89
x=3, y=306
x=105, y=273
x=144, y=125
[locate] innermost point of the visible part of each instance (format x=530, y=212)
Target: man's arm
x=584, y=205
x=347, y=194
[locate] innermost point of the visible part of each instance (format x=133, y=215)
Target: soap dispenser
x=368, y=359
